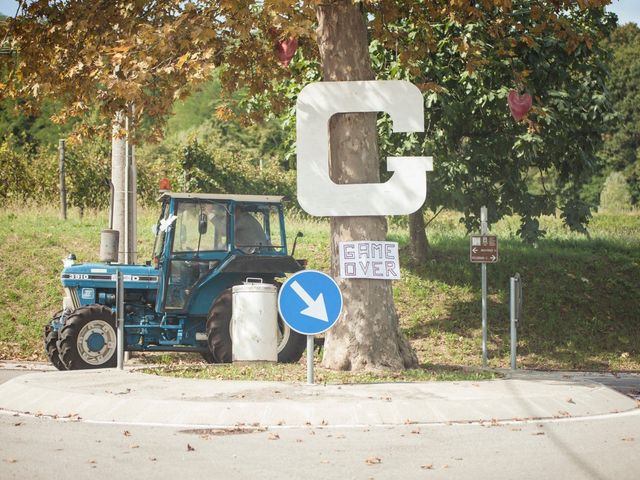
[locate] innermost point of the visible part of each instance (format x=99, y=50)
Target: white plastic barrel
x=254, y=322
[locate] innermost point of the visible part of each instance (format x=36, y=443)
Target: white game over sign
x=377, y=260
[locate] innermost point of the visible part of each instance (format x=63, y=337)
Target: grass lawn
x=581, y=296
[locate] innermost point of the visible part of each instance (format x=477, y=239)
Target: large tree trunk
x=418, y=237
x=368, y=334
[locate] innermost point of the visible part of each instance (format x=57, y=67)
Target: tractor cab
x=206, y=243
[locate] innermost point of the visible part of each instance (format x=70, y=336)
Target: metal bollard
x=515, y=309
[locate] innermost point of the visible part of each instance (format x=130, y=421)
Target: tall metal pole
x=120, y=319
x=127, y=194
x=130, y=193
x=513, y=318
x=484, y=230
x=118, y=172
x=133, y=188
x=63, y=186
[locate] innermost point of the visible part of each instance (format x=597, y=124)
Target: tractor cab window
x=258, y=229
x=160, y=230
x=200, y=226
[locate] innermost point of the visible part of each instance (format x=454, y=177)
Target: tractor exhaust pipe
x=110, y=238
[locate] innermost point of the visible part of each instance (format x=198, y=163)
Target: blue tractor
x=181, y=300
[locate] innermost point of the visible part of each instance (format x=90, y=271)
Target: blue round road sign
x=310, y=302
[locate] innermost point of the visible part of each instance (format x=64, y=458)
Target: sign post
x=310, y=359
x=483, y=250
x=120, y=319
x=310, y=302
x=484, y=230
x=515, y=311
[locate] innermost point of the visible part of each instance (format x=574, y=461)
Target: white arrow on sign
x=315, y=308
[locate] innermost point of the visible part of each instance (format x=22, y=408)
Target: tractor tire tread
x=51, y=347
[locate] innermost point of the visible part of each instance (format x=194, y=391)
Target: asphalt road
x=606, y=447
x=42, y=448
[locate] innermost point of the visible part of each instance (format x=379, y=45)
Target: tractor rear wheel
x=291, y=344
x=218, y=331
x=88, y=339
x=51, y=344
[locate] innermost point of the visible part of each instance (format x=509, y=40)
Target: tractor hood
x=100, y=275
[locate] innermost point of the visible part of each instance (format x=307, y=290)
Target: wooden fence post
x=63, y=187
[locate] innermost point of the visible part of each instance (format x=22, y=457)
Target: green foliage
x=482, y=155
x=29, y=174
x=87, y=169
x=26, y=177
x=615, y=195
x=202, y=161
x=208, y=168
x=29, y=129
x=621, y=150
x=206, y=150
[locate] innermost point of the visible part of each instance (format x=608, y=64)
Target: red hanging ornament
x=286, y=49
x=519, y=104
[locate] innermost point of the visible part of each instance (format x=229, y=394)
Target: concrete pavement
x=128, y=397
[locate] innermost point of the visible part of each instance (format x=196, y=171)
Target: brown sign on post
x=483, y=249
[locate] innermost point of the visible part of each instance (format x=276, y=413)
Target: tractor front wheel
x=88, y=339
x=291, y=344
x=51, y=344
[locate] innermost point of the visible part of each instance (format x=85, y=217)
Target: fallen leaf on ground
x=373, y=460
x=427, y=466
x=134, y=446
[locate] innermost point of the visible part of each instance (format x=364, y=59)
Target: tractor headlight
x=69, y=261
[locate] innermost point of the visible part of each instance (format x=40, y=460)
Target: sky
x=627, y=10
